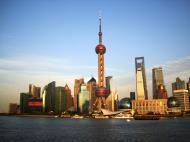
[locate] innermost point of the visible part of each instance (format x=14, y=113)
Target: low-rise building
x=183, y=97
x=155, y=106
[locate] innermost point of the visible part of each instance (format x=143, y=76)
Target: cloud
x=17, y=72
x=171, y=69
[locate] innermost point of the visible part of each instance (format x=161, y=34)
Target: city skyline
x=49, y=41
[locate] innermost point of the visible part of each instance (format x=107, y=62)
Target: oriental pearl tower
x=101, y=92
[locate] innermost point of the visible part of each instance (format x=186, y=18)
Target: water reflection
x=83, y=130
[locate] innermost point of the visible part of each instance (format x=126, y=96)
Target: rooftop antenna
x=100, y=27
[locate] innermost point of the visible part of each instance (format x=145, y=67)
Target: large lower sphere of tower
x=100, y=49
x=101, y=92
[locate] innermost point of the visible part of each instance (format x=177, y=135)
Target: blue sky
x=46, y=40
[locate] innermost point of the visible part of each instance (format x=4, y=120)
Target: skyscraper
x=183, y=97
x=63, y=99
x=24, y=97
x=91, y=87
x=179, y=84
x=48, y=95
x=34, y=91
x=109, y=84
x=83, y=102
x=132, y=95
x=161, y=92
x=60, y=100
x=69, y=100
x=141, y=86
x=110, y=99
x=188, y=88
x=157, y=79
x=77, y=87
x=101, y=91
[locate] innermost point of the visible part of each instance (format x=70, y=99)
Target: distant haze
x=44, y=41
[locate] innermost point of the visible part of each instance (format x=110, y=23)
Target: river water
x=32, y=129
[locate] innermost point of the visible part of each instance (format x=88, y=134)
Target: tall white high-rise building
x=141, y=86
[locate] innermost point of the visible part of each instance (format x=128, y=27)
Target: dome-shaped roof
x=100, y=48
x=173, y=102
x=125, y=103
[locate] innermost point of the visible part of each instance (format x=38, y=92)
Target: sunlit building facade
x=69, y=98
x=183, y=96
x=48, y=95
x=158, y=83
x=77, y=87
x=112, y=96
x=83, y=101
x=34, y=91
x=179, y=84
x=161, y=92
x=156, y=106
x=91, y=87
x=141, y=85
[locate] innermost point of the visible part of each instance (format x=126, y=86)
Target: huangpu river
x=35, y=129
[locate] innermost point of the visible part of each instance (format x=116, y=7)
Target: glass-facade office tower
x=63, y=99
x=141, y=86
x=179, y=84
x=110, y=99
x=34, y=91
x=83, y=101
x=60, y=100
x=132, y=95
x=157, y=79
x=77, y=87
x=91, y=87
x=69, y=101
x=24, y=97
x=48, y=95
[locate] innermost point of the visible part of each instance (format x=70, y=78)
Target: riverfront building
x=77, y=87
x=34, y=91
x=24, y=97
x=69, y=98
x=159, y=91
x=35, y=105
x=178, y=85
x=132, y=95
x=183, y=96
x=141, y=86
x=156, y=106
x=60, y=100
x=48, y=95
x=13, y=108
x=83, y=103
x=91, y=87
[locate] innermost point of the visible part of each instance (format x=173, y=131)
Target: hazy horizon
x=44, y=41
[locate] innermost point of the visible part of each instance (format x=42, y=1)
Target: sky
x=54, y=40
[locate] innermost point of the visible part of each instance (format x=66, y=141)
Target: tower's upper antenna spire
x=100, y=27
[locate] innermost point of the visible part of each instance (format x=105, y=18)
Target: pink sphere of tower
x=100, y=49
